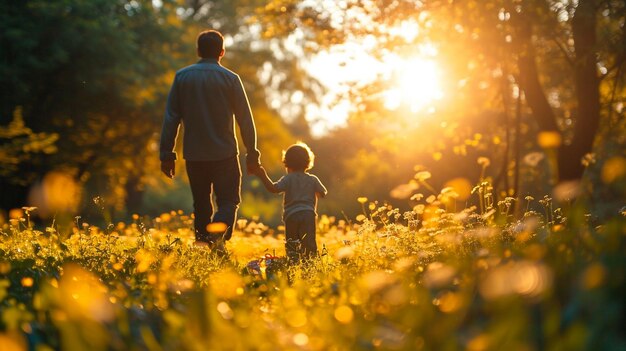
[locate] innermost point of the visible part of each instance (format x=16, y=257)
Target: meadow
x=427, y=279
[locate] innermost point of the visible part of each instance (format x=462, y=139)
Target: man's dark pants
x=300, y=235
x=223, y=177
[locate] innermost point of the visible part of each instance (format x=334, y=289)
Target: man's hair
x=210, y=44
x=298, y=157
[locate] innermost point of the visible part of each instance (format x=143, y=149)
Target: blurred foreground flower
x=438, y=275
x=226, y=284
x=613, y=169
x=377, y=280
x=403, y=191
x=12, y=342
x=549, y=140
x=344, y=253
x=567, y=191
x=525, y=278
x=57, y=192
x=83, y=295
x=461, y=186
x=216, y=227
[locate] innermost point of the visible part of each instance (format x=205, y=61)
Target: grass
x=425, y=279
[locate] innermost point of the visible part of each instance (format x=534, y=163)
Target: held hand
x=168, y=168
x=253, y=169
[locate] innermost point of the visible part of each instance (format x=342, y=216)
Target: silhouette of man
x=207, y=99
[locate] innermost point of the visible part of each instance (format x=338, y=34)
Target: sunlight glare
x=415, y=83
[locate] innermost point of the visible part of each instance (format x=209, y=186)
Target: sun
x=411, y=83
x=414, y=84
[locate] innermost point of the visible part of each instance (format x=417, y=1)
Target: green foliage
x=488, y=63
x=19, y=145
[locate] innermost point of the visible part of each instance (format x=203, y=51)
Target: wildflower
x=344, y=253
x=532, y=159
x=417, y=197
x=484, y=162
x=588, y=159
x=362, y=200
x=422, y=176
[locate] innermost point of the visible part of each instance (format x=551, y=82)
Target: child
x=300, y=200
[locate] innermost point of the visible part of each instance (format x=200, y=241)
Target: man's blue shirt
x=204, y=98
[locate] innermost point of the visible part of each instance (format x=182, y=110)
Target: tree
x=546, y=53
x=92, y=72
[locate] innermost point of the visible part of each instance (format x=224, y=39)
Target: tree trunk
x=529, y=77
x=586, y=84
x=587, y=93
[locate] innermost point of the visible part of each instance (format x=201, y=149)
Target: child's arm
x=320, y=189
x=267, y=182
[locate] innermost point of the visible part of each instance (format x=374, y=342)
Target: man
x=205, y=97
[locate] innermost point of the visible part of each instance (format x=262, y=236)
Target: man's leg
x=227, y=187
x=200, y=184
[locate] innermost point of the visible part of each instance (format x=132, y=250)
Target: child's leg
x=308, y=237
x=292, y=242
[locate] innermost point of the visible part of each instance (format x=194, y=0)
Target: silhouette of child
x=301, y=191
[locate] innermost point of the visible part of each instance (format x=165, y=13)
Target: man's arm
x=243, y=116
x=265, y=179
x=169, y=133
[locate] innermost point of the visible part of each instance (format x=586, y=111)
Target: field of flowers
x=431, y=279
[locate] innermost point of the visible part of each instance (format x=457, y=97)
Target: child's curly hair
x=298, y=157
